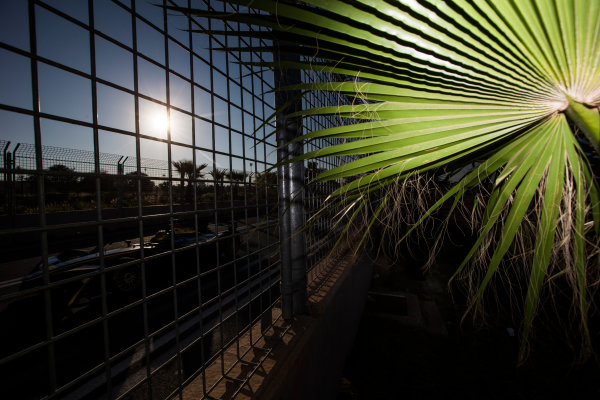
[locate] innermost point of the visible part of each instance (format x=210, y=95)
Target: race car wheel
x=128, y=279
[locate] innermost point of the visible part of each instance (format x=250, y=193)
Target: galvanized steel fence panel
x=138, y=222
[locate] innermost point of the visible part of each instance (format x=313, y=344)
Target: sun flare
x=160, y=121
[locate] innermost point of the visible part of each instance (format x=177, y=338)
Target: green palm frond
x=507, y=83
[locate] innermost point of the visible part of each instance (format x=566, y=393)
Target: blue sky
x=66, y=94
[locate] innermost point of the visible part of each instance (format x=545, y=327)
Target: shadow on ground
x=423, y=352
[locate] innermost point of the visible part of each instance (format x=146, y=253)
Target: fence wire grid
x=139, y=233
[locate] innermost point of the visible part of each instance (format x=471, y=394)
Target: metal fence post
x=10, y=185
x=291, y=195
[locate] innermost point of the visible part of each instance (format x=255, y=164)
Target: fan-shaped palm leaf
x=506, y=82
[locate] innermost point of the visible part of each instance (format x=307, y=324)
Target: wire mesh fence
x=324, y=232
x=77, y=161
x=138, y=223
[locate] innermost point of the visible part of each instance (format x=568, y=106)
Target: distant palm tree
x=187, y=168
x=237, y=177
x=218, y=176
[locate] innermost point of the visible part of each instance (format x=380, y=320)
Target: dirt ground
x=431, y=355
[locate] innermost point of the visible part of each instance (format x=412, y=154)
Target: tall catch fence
x=139, y=226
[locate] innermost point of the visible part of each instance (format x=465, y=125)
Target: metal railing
x=134, y=250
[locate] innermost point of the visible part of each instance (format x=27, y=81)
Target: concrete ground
x=416, y=348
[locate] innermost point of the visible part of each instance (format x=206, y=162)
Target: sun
x=160, y=121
